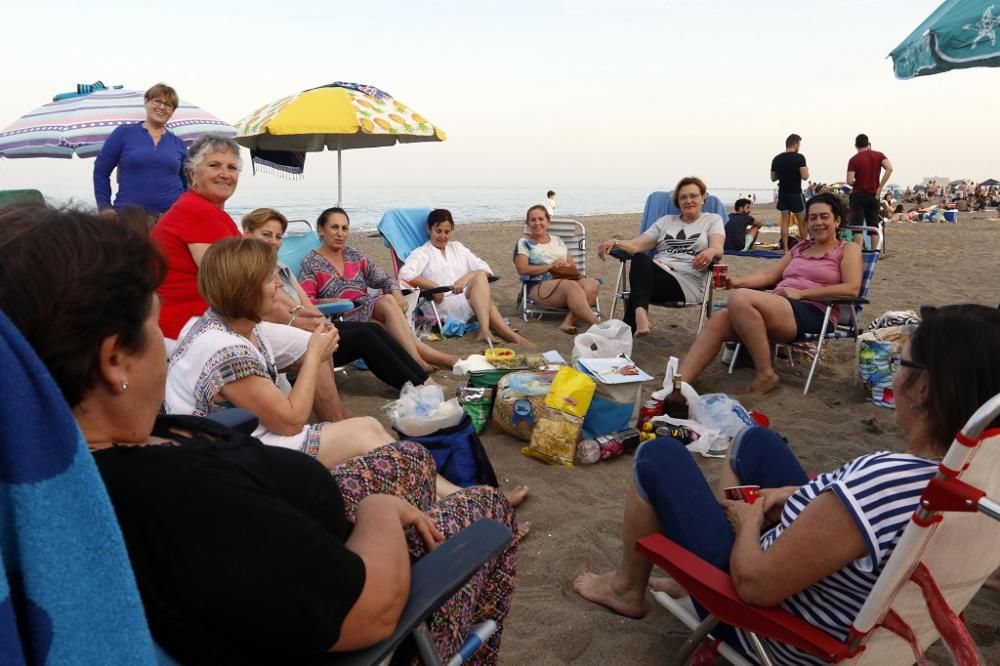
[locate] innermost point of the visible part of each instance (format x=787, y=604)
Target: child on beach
x=742, y=228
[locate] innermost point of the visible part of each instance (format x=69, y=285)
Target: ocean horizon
x=366, y=204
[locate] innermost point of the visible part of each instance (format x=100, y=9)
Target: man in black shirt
x=789, y=169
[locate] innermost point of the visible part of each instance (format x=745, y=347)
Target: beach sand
x=576, y=513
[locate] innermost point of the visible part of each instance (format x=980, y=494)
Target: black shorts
x=808, y=317
x=864, y=209
x=791, y=201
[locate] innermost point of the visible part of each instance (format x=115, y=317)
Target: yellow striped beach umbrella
x=339, y=116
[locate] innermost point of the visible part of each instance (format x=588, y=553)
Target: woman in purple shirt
x=149, y=159
x=812, y=270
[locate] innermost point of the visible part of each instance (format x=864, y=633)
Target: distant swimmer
x=789, y=170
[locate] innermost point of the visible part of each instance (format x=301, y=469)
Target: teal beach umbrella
x=959, y=34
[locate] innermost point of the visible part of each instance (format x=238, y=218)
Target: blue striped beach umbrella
x=959, y=34
x=80, y=124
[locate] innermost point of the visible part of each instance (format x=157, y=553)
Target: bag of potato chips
x=557, y=428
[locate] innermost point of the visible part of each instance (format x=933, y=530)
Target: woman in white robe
x=442, y=261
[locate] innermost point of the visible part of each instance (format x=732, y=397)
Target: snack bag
x=559, y=422
x=477, y=404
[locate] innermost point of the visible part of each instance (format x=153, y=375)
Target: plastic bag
x=422, y=410
x=719, y=411
x=477, y=403
x=711, y=442
x=608, y=339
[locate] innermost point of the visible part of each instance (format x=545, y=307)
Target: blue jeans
x=667, y=477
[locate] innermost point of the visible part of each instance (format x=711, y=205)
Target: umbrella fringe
x=281, y=171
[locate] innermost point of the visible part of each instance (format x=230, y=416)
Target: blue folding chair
x=657, y=205
x=848, y=324
x=300, y=240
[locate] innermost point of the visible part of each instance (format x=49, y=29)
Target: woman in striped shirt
x=814, y=547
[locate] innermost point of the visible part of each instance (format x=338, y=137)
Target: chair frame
x=576, y=244
x=714, y=589
x=850, y=308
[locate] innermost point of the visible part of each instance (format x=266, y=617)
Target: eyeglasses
x=162, y=104
x=896, y=361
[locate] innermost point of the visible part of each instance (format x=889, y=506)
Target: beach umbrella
x=339, y=116
x=79, y=124
x=959, y=34
x=990, y=182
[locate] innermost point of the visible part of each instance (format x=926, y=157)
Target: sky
x=533, y=94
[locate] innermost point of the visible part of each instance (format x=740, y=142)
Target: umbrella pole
x=340, y=181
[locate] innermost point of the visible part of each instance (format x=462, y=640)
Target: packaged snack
x=559, y=422
x=477, y=404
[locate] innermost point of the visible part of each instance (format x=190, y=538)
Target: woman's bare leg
x=623, y=589
x=570, y=295
x=350, y=438
x=705, y=346
x=389, y=315
x=758, y=317
x=435, y=357
x=502, y=329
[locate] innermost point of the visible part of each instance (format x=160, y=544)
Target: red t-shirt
x=192, y=219
x=867, y=167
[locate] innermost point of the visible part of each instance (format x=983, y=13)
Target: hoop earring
x=124, y=385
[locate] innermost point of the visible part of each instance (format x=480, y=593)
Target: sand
x=576, y=513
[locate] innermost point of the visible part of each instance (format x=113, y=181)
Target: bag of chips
x=557, y=428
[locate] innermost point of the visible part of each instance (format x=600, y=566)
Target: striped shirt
x=880, y=491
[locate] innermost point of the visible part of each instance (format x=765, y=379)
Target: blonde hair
x=231, y=275
x=255, y=219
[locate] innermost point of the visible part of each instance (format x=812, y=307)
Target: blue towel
x=67, y=593
x=404, y=230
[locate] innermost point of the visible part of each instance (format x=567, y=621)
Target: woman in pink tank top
x=812, y=270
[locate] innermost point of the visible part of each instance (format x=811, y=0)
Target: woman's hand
x=557, y=263
x=400, y=300
x=773, y=502
x=307, y=320
x=461, y=283
x=704, y=259
x=323, y=342
x=744, y=516
x=793, y=294
x=604, y=248
x=411, y=516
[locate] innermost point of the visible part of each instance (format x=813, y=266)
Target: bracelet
x=290, y=321
x=295, y=309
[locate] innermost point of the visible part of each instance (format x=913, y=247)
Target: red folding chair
x=941, y=560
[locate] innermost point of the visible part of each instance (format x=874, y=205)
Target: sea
x=366, y=204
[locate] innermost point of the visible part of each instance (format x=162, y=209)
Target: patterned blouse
x=321, y=279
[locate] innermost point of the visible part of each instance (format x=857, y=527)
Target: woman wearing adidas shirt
x=814, y=547
x=686, y=245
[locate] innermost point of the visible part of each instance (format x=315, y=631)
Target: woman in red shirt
x=195, y=221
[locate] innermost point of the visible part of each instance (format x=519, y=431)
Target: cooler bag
x=458, y=454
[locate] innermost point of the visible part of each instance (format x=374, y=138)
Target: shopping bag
x=604, y=340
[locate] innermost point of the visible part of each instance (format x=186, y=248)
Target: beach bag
x=518, y=402
x=459, y=455
x=560, y=420
x=874, y=351
x=604, y=340
x=565, y=272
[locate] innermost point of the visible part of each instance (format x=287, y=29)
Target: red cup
x=748, y=494
x=760, y=418
x=720, y=275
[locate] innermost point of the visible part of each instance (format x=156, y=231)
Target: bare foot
x=567, y=328
x=428, y=368
x=642, y=327
x=523, y=341
x=601, y=589
x=482, y=336
x=523, y=528
x=668, y=585
x=763, y=385
x=517, y=495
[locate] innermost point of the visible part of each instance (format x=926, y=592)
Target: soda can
x=720, y=273
x=682, y=434
x=649, y=409
x=748, y=494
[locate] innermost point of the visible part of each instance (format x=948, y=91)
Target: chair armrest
x=714, y=590
x=237, y=419
x=620, y=254
x=433, y=580
x=844, y=301
x=335, y=308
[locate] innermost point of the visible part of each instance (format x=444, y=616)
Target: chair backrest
x=403, y=230
x=852, y=313
x=960, y=551
x=573, y=235
x=661, y=203
x=17, y=197
x=67, y=593
x=299, y=239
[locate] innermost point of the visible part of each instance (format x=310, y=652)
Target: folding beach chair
x=21, y=198
x=848, y=326
x=867, y=233
x=67, y=591
x=657, y=205
x=942, y=558
x=574, y=237
x=298, y=241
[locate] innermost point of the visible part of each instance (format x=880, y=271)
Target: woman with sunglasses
x=149, y=159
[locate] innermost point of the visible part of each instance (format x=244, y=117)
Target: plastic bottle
x=590, y=451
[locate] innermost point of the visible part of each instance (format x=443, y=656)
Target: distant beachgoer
x=789, y=170
x=753, y=196
x=686, y=245
x=336, y=272
x=863, y=175
x=148, y=156
x=742, y=228
x=813, y=270
x=442, y=261
x=537, y=255
x=550, y=202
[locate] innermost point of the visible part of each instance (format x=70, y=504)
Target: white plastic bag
x=422, y=410
x=718, y=410
x=711, y=442
x=607, y=339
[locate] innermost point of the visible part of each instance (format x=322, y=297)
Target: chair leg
x=732, y=361
x=425, y=646
x=819, y=349
x=434, y=307
x=524, y=302
x=759, y=650
x=621, y=284
x=691, y=642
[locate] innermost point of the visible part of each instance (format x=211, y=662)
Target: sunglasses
x=896, y=361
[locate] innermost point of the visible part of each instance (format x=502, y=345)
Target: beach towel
x=67, y=593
